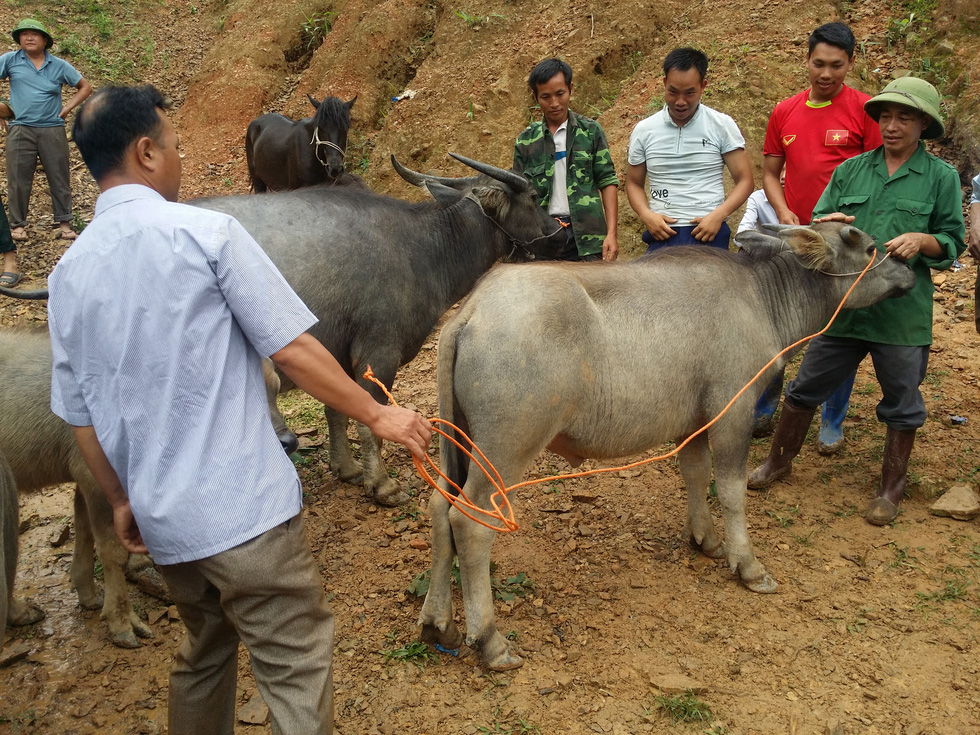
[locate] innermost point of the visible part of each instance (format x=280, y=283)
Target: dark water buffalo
x=611, y=361
x=289, y=154
x=41, y=450
x=380, y=272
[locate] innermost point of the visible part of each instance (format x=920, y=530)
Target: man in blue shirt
x=38, y=131
x=159, y=315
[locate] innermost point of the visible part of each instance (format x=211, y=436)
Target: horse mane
x=332, y=113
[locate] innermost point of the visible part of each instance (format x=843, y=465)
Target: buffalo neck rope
x=525, y=244
x=502, y=513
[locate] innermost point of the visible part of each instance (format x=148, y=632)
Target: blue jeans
x=683, y=237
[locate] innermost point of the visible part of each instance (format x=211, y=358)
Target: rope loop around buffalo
x=501, y=515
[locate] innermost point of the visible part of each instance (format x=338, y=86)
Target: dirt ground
x=872, y=630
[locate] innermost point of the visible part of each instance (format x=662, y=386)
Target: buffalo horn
x=417, y=179
x=514, y=181
x=39, y=295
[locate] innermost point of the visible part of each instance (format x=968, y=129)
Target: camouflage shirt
x=590, y=168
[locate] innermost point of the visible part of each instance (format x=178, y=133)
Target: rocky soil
x=871, y=631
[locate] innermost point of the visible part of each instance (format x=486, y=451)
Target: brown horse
x=289, y=154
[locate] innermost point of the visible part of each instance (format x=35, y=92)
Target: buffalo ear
x=808, y=244
x=492, y=199
x=351, y=103
x=316, y=105
x=757, y=243
x=445, y=195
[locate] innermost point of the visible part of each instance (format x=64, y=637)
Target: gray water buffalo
x=380, y=272
x=606, y=362
x=41, y=450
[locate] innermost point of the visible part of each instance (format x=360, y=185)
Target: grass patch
x=414, y=652
x=686, y=707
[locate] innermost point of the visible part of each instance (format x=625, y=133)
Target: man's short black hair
x=834, y=34
x=545, y=70
x=685, y=58
x=111, y=120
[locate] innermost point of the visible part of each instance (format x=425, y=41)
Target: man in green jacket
x=909, y=202
x=566, y=158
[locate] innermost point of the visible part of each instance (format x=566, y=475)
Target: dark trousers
x=900, y=370
x=25, y=146
x=684, y=237
x=570, y=250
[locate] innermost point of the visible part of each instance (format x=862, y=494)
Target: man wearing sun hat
x=38, y=131
x=909, y=202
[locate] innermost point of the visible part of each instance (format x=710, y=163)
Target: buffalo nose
x=289, y=441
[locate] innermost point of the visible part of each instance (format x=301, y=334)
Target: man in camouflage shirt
x=566, y=158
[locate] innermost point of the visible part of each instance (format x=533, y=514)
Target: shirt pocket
x=582, y=167
x=852, y=204
x=539, y=175
x=913, y=215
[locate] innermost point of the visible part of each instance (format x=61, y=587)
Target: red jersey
x=815, y=139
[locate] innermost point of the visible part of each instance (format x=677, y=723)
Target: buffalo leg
x=474, y=542
x=342, y=462
x=82, y=572
x=436, y=617
x=695, y=462
x=124, y=624
x=383, y=489
x=731, y=453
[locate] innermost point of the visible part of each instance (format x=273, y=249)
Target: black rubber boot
x=894, y=474
x=790, y=434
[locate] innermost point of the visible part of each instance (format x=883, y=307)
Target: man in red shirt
x=811, y=133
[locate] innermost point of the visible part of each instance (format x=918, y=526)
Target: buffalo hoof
x=507, y=661
x=91, y=601
x=389, y=494
x=450, y=639
x=126, y=639
x=712, y=549
x=765, y=585
x=22, y=613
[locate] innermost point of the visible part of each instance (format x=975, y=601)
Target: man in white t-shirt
x=682, y=151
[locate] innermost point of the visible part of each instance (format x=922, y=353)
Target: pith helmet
x=915, y=93
x=29, y=24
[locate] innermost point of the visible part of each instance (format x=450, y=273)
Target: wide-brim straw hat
x=915, y=93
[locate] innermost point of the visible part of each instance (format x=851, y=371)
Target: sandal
x=9, y=279
x=67, y=234
x=18, y=234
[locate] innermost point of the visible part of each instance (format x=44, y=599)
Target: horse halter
x=316, y=143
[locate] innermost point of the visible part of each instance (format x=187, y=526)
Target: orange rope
x=502, y=511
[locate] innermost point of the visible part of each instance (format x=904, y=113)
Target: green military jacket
x=590, y=168
x=923, y=195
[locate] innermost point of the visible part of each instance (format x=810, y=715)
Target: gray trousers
x=899, y=369
x=25, y=146
x=268, y=595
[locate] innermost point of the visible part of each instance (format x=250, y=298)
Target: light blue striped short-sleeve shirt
x=159, y=314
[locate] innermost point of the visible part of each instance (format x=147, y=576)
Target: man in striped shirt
x=160, y=314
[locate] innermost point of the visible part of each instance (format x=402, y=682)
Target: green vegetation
x=414, y=652
x=686, y=707
x=315, y=28
x=474, y=21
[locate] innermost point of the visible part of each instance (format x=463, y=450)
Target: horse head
x=330, y=125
